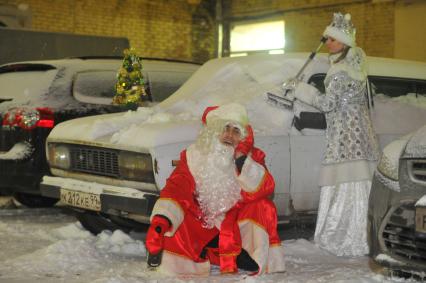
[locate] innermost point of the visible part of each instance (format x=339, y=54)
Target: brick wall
x=176, y=29
x=160, y=28
x=305, y=21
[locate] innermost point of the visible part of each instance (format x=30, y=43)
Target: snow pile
x=18, y=152
x=73, y=251
x=72, y=231
x=388, y=259
x=412, y=99
x=103, y=127
x=421, y=201
x=120, y=243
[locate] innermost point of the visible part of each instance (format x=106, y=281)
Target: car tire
x=96, y=222
x=35, y=201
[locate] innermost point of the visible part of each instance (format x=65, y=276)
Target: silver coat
x=349, y=133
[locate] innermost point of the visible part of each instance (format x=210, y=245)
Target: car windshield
x=26, y=86
x=97, y=87
x=162, y=84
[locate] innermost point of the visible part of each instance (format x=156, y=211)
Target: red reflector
x=45, y=123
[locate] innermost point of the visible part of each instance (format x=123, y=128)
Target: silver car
x=397, y=207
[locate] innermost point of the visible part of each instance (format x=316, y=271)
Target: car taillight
x=28, y=119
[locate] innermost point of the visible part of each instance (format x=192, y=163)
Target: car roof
x=153, y=64
x=388, y=67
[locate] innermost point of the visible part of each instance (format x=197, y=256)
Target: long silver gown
x=350, y=157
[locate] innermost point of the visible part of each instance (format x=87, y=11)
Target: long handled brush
x=284, y=101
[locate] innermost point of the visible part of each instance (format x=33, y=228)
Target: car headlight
x=386, y=167
x=136, y=166
x=59, y=156
x=389, y=161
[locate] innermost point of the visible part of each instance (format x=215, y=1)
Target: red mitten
x=246, y=144
x=155, y=236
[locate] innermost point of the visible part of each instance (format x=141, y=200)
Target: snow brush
x=283, y=101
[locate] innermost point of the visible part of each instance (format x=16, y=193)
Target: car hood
x=134, y=130
x=416, y=146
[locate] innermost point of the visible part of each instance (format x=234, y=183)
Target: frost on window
x=96, y=87
x=162, y=84
x=23, y=87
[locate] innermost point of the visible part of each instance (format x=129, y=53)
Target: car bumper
x=113, y=200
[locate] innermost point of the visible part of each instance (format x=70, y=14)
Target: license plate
x=81, y=199
x=421, y=219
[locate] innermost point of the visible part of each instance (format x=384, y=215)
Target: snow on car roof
x=242, y=79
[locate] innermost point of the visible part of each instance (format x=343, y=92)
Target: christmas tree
x=130, y=83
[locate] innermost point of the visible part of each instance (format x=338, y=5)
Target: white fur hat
x=341, y=29
x=232, y=112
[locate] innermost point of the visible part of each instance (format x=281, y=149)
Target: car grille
x=399, y=234
x=95, y=160
x=417, y=169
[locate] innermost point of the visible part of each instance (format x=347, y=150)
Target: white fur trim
x=173, y=264
x=255, y=240
x=229, y=112
x=340, y=36
x=170, y=209
x=276, y=262
x=251, y=175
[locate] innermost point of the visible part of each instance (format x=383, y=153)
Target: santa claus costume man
x=215, y=207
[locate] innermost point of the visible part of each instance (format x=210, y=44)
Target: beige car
x=112, y=167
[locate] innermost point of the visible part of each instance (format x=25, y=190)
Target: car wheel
x=96, y=222
x=35, y=201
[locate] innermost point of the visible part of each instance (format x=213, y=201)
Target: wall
x=410, y=34
x=160, y=28
x=179, y=30
x=305, y=21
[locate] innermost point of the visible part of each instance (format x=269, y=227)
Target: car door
x=306, y=150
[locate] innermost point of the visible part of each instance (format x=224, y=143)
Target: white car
x=112, y=167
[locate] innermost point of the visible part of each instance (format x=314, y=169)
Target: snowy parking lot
x=49, y=245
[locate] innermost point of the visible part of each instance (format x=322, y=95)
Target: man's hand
x=243, y=148
x=155, y=236
x=246, y=144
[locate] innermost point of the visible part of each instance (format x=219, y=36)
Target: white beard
x=212, y=166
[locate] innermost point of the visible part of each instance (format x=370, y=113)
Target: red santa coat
x=250, y=224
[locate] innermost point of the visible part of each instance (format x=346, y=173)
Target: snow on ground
x=50, y=246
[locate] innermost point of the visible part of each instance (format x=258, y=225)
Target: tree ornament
x=129, y=89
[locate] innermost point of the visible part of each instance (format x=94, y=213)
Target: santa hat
x=341, y=29
x=232, y=113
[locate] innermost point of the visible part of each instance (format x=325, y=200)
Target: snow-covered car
x=397, y=207
x=113, y=166
x=37, y=95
